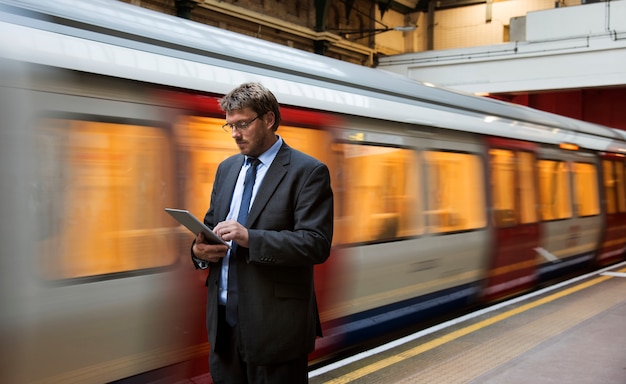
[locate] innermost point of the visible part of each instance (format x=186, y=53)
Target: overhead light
x=407, y=28
x=361, y=33
x=569, y=146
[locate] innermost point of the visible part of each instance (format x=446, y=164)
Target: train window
x=455, y=197
x=621, y=190
x=586, y=190
x=513, y=187
x=377, y=198
x=610, y=184
x=101, y=193
x=614, y=190
x=503, y=187
x=527, y=189
x=204, y=145
x=554, y=190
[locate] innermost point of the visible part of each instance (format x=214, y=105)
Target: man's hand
x=232, y=230
x=209, y=252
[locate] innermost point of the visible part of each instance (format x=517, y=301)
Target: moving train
x=109, y=114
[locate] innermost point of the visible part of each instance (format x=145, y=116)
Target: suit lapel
x=230, y=180
x=271, y=181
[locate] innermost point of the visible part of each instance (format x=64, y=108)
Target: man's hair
x=254, y=96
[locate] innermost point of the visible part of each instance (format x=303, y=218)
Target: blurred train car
x=109, y=114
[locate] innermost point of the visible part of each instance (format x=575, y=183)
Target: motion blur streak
x=109, y=114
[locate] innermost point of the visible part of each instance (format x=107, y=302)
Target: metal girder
x=410, y=6
x=401, y=6
x=321, y=9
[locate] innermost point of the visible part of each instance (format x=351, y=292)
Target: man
x=262, y=316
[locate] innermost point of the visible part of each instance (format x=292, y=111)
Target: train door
x=569, y=198
x=514, y=216
x=613, y=242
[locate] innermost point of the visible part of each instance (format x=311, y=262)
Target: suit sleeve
x=297, y=224
x=198, y=263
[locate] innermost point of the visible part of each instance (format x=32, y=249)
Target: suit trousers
x=228, y=363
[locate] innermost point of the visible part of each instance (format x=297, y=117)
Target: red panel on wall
x=606, y=106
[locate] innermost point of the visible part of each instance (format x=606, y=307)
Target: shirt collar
x=268, y=156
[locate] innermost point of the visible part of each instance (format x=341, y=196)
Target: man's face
x=252, y=133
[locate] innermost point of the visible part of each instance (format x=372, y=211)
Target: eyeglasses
x=239, y=126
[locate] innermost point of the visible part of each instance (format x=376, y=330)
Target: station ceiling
x=410, y=6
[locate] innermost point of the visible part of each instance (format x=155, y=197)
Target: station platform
x=573, y=332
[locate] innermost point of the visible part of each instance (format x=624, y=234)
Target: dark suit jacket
x=290, y=228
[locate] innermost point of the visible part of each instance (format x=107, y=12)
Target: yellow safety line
x=460, y=333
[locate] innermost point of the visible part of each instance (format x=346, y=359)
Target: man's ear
x=270, y=118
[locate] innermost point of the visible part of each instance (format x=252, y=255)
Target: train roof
x=114, y=38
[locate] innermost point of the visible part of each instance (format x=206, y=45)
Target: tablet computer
x=194, y=225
